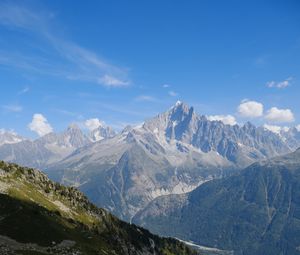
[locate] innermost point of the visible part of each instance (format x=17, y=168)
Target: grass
x=29, y=215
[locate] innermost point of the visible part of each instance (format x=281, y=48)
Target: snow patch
x=179, y=188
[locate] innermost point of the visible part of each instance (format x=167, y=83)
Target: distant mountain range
x=255, y=211
x=38, y=216
x=172, y=153
x=48, y=149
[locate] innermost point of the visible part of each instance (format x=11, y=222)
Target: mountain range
x=171, y=153
x=255, y=211
x=50, y=148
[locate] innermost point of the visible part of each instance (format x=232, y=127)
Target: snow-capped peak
x=178, y=103
x=9, y=137
x=101, y=132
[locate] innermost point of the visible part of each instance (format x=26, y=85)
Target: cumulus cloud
x=298, y=127
x=92, y=124
x=279, y=115
x=250, y=109
x=226, y=119
x=40, y=125
x=279, y=85
x=276, y=129
x=172, y=93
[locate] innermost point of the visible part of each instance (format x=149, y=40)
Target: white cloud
x=172, y=93
x=166, y=86
x=279, y=115
x=279, y=85
x=250, y=109
x=40, y=125
x=111, y=81
x=226, y=119
x=298, y=127
x=13, y=108
x=276, y=129
x=92, y=124
x=145, y=98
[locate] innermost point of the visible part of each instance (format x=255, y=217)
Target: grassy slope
x=35, y=210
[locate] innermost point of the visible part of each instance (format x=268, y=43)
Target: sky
x=121, y=62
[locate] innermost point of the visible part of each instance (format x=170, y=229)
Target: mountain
x=291, y=137
x=45, y=150
x=102, y=132
x=172, y=153
x=240, y=145
x=9, y=137
x=256, y=211
x=38, y=216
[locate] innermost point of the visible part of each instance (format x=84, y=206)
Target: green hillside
x=38, y=217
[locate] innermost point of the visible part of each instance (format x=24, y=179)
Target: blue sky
x=125, y=61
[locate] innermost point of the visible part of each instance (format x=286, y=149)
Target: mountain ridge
x=38, y=216
x=253, y=211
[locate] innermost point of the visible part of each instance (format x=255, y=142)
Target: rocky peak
x=248, y=126
x=9, y=137
x=102, y=132
x=71, y=137
x=73, y=127
x=180, y=107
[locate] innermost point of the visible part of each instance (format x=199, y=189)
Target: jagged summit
x=101, y=133
x=178, y=102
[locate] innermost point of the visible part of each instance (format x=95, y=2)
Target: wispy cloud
x=12, y=108
x=23, y=91
x=68, y=113
x=281, y=84
x=143, y=98
x=166, y=86
x=71, y=60
x=172, y=93
x=111, y=81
